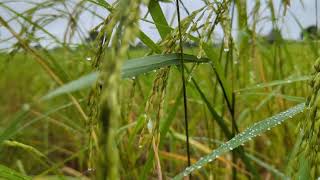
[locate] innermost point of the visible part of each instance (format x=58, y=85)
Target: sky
x=304, y=12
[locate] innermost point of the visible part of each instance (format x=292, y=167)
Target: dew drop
x=88, y=58
x=90, y=169
x=189, y=78
x=150, y=126
x=133, y=78
x=26, y=107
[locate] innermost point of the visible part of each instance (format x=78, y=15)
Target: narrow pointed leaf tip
x=79, y=84
x=135, y=67
x=130, y=68
x=248, y=134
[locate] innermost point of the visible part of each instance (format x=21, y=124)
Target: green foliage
x=130, y=69
x=126, y=93
x=247, y=135
x=7, y=173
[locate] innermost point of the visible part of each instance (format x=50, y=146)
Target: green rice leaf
x=15, y=123
x=159, y=18
x=146, y=64
x=130, y=68
x=148, y=42
x=245, y=136
x=81, y=83
x=27, y=148
x=7, y=173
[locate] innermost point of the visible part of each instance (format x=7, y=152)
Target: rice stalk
x=104, y=155
x=310, y=146
x=154, y=106
x=183, y=86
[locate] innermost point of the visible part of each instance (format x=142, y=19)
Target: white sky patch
x=305, y=14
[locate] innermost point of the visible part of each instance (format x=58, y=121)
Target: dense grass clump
x=118, y=104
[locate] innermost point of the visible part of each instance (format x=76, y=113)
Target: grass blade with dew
x=221, y=122
x=130, y=68
x=7, y=173
x=275, y=83
x=159, y=20
x=258, y=161
x=247, y=135
x=146, y=64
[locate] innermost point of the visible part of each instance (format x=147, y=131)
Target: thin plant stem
x=183, y=86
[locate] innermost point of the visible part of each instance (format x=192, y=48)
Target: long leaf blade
x=159, y=18
x=7, y=173
x=130, y=68
x=146, y=64
x=275, y=83
x=81, y=83
x=247, y=135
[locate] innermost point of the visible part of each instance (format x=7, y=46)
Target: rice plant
x=157, y=89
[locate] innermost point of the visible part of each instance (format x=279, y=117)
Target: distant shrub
x=273, y=36
x=311, y=32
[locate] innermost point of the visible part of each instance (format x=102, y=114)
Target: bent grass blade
x=245, y=136
x=130, y=68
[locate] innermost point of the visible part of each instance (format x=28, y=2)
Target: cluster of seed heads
x=154, y=105
x=119, y=29
x=255, y=130
x=310, y=146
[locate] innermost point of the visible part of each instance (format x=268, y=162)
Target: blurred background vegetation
x=47, y=44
